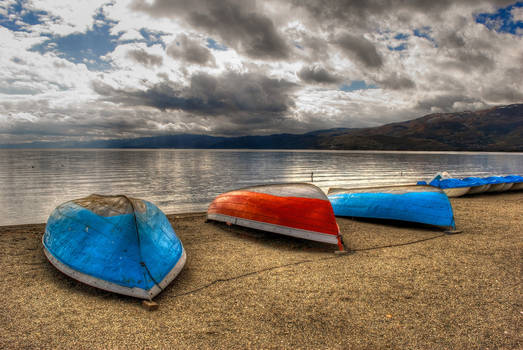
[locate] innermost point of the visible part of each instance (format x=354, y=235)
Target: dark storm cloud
x=318, y=74
x=503, y=94
x=452, y=40
x=232, y=94
x=361, y=49
x=360, y=12
x=396, y=81
x=141, y=56
x=190, y=51
x=235, y=21
x=471, y=60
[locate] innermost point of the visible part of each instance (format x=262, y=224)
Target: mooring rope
x=299, y=263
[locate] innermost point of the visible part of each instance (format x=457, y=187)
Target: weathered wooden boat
x=497, y=183
x=517, y=182
x=477, y=185
x=115, y=243
x=414, y=203
x=300, y=210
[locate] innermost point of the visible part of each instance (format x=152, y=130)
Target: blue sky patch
x=357, y=85
x=20, y=19
x=501, y=21
x=84, y=47
x=401, y=36
x=151, y=37
x=400, y=47
x=212, y=44
x=424, y=32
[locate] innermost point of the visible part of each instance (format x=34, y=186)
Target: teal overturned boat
x=115, y=243
x=414, y=203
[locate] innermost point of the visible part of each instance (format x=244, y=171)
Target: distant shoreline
x=263, y=150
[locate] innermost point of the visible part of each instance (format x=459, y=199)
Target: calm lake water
x=34, y=182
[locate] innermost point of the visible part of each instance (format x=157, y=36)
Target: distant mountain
x=493, y=129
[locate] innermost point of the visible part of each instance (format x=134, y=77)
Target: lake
x=34, y=181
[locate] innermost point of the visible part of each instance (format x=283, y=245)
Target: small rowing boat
x=477, y=185
x=497, y=183
x=300, y=210
x=451, y=187
x=517, y=182
x=115, y=243
x=414, y=203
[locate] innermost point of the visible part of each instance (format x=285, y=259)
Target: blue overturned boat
x=414, y=203
x=115, y=243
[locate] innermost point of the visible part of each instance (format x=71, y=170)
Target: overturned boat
x=115, y=243
x=414, y=203
x=517, y=182
x=451, y=187
x=477, y=185
x=299, y=210
x=497, y=183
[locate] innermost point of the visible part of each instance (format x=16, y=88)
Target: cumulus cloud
x=318, y=74
x=236, y=21
x=190, y=51
x=141, y=56
x=361, y=49
x=232, y=94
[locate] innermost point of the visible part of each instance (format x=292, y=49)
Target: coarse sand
x=405, y=287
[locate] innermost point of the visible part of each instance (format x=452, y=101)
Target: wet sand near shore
x=406, y=287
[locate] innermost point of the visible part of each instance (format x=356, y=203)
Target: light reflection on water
x=34, y=182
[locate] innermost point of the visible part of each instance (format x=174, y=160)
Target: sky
x=85, y=70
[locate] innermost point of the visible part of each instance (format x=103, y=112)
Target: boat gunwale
x=319, y=190
x=274, y=228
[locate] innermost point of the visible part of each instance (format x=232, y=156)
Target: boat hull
x=297, y=210
x=496, y=187
x=479, y=189
x=456, y=192
x=421, y=204
x=517, y=186
x=135, y=252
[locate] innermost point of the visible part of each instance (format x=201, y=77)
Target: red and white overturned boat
x=300, y=210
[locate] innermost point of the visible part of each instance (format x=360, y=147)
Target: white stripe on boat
x=284, y=230
x=116, y=288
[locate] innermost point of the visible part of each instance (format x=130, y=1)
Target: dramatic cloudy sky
x=78, y=70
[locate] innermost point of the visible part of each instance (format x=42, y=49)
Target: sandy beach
x=405, y=287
